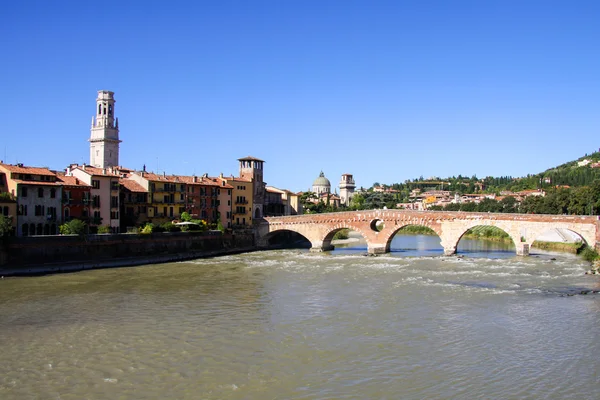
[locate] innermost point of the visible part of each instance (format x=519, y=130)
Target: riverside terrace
x=450, y=226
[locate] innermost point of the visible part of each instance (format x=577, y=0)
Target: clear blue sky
x=385, y=90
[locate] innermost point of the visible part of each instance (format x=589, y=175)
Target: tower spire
x=104, y=138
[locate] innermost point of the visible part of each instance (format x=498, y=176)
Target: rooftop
x=21, y=169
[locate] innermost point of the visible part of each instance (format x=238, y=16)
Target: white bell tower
x=104, y=139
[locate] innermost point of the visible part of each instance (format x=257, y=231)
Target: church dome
x=321, y=184
x=321, y=180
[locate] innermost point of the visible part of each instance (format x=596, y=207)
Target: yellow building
x=166, y=195
x=8, y=202
x=241, y=198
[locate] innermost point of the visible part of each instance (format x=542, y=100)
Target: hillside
x=577, y=173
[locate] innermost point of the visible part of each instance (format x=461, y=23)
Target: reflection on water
x=429, y=245
x=298, y=325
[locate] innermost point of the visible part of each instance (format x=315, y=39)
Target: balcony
x=241, y=202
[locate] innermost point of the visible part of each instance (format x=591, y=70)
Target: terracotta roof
x=97, y=171
x=20, y=169
x=151, y=176
x=250, y=158
x=37, y=183
x=233, y=179
x=200, y=180
x=70, y=181
x=132, y=186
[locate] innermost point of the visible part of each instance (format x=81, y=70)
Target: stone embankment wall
x=41, y=254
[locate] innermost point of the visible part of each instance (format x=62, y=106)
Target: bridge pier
x=377, y=249
x=449, y=250
x=319, y=246
x=522, y=249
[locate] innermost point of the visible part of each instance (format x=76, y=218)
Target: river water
x=290, y=324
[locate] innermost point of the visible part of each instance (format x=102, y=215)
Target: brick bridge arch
x=450, y=226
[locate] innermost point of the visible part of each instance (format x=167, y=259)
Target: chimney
x=103, y=171
x=195, y=178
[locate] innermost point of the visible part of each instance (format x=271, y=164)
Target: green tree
x=6, y=228
x=185, y=216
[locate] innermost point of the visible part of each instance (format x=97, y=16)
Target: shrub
x=147, y=229
x=170, y=227
x=104, y=229
x=589, y=254
x=73, y=227
x=341, y=234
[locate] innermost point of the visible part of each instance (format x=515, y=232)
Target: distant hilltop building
x=347, y=187
x=321, y=185
x=104, y=138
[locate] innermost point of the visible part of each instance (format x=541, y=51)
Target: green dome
x=322, y=181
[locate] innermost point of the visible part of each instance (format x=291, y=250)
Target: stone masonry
x=319, y=229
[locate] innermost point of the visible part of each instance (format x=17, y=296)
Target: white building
x=104, y=138
x=347, y=187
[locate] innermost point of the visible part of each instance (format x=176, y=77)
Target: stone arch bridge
x=450, y=226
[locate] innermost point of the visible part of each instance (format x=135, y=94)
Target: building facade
x=38, y=196
x=251, y=168
x=76, y=198
x=104, y=205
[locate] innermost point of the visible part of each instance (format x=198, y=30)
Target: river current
x=289, y=324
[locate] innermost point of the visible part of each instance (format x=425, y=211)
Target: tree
x=308, y=200
x=185, y=216
x=6, y=228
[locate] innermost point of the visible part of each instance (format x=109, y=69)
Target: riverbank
x=53, y=268
x=55, y=254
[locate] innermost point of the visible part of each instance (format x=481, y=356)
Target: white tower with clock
x=104, y=139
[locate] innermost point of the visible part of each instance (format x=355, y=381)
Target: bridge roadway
x=449, y=225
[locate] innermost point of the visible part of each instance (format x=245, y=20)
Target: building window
x=114, y=215
x=52, y=193
x=114, y=201
x=95, y=183
x=51, y=212
x=24, y=192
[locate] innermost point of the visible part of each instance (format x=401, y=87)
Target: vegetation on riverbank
x=589, y=254
x=572, y=248
x=342, y=234
x=416, y=230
